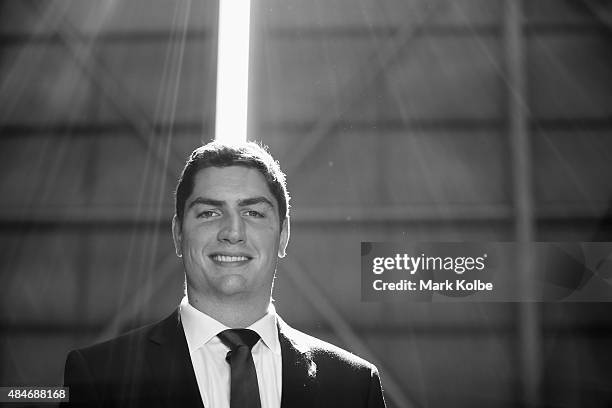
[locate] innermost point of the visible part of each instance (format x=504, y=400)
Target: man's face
x=230, y=236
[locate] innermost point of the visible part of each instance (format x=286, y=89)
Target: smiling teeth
x=225, y=258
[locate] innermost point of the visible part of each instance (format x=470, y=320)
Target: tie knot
x=234, y=338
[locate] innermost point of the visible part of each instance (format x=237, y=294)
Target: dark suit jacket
x=151, y=367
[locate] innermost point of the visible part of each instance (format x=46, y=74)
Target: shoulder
x=342, y=378
x=119, y=369
x=324, y=353
x=125, y=349
x=123, y=342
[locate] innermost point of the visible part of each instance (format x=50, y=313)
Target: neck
x=234, y=314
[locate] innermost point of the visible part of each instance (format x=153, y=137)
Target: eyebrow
x=241, y=203
x=255, y=200
x=205, y=201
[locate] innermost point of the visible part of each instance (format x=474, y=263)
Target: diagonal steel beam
x=602, y=10
x=358, y=86
x=112, y=90
x=320, y=302
x=137, y=302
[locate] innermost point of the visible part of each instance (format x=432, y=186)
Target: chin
x=232, y=285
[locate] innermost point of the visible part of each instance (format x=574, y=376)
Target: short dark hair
x=246, y=154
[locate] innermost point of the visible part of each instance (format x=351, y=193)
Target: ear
x=177, y=236
x=284, y=238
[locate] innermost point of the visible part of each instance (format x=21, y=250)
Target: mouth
x=230, y=260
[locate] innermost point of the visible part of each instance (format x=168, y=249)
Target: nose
x=232, y=229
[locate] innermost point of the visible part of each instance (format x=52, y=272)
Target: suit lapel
x=173, y=376
x=170, y=364
x=299, y=371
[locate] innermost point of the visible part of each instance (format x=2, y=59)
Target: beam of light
x=232, y=70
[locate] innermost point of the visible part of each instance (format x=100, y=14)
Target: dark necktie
x=244, y=390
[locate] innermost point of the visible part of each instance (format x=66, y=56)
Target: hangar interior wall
x=393, y=121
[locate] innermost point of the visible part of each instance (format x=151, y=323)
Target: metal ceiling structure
x=508, y=27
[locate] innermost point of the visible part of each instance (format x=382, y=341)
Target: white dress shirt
x=208, y=353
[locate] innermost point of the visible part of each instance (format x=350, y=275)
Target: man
x=230, y=227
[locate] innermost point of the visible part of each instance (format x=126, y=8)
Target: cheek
x=269, y=245
x=197, y=237
x=194, y=247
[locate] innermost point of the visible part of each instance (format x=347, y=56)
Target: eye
x=253, y=213
x=207, y=214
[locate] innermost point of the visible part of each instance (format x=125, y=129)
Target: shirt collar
x=200, y=328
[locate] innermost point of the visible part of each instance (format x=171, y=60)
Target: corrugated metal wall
x=394, y=120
